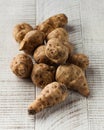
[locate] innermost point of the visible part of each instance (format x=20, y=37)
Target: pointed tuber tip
x=31, y=112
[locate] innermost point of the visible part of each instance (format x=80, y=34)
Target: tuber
x=59, y=20
x=73, y=77
x=32, y=40
x=52, y=94
x=22, y=66
x=56, y=51
x=40, y=56
x=80, y=60
x=59, y=33
x=42, y=74
x=20, y=31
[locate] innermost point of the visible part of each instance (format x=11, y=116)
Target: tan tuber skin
x=56, y=51
x=73, y=77
x=22, y=66
x=56, y=21
x=52, y=94
x=42, y=74
x=60, y=36
x=59, y=33
x=31, y=41
x=80, y=60
x=40, y=56
x=20, y=31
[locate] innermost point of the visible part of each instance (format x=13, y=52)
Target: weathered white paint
x=86, y=32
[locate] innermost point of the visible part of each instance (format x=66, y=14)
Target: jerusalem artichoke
x=40, y=56
x=20, y=31
x=52, y=94
x=59, y=20
x=42, y=74
x=22, y=65
x=56, y=51
x=73, y=77
x=32, y=40
x=80, y=60
x=59, y=33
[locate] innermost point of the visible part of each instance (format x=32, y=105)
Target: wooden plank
x=86, y=33
x=93, y=41
x=15, y=94
x=72, y=114
x=14, y=99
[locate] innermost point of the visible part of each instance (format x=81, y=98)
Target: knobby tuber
x=52, y=94
x=73, y=77
x=56, y=21
x=22, y=66
x=40, y=56
x=42, y=74
x=56, y=51
x=80, y=60
x=31, y=41
x=20, y=31
x=59, y=33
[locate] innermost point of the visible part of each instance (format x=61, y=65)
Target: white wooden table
x=86, y=20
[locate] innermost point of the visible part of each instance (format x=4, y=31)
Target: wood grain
x=92, y=31
x=86, y=32
x=15, y=94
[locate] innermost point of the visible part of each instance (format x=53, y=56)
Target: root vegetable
x=20, y=31
x=59, y=33
x=80, y=60
x=56, y=51
x=69, y=46
x=40, y=56
x=42, y=74
x=32, y=40
x=73, y=77
x=22, y=66
x=59, y=20
x=52, y=94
